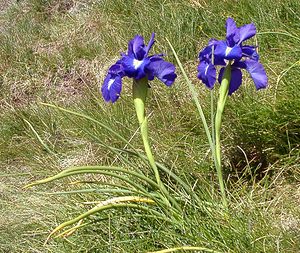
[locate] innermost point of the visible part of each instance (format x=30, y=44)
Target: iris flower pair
x=233, y=52
x=137, y=64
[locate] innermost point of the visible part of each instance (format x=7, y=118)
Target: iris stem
x=140, y=89
x=223, y=93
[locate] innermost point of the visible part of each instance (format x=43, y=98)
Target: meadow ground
x=58, y=51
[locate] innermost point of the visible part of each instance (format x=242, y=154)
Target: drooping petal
x=257, y=73
x=128, y=66
x=250, y=52
x=164, y=71
x=117, y=69
x=246, y=32
x=232, y=33
x=239, y=64
x=205, y=53
x=104, y=88
x=150, y=67
x=111, y=88
x=235, y=80
x=207, y=74
x=223, y=51
x=150, y=44
x=219, y=60
x=221, y=73
x=136, y=47
x=115, y=89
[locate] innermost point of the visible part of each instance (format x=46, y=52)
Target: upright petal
x=257, y=73
x=111, y=88
x=150, y=44
x=137, y=47
x=232, y=34
x=246, y=32
x=164, y=71
x=207, y=74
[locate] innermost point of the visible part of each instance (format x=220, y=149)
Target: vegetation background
x=58, y=51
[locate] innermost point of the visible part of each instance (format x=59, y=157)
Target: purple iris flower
x=240, y=56
x=137, y=64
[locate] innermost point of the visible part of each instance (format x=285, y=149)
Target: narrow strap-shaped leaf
x=186, y=248
x=109, y=204
x=91, y=190
x=125, y=179
x=39, y=138
x=94, y=121
x=196, y=100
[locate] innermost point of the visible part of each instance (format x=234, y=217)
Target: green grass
x=58, y=52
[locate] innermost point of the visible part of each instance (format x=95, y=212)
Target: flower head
x=232, y=50
x=137, y=64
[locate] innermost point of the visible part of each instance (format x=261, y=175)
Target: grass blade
x=196, y=100
x=39, y=138
x=117, y=202
x=186, y=248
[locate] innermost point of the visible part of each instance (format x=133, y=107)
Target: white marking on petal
x=206, y=70
x=137, y=63
x=111, y=81
x=228, y=50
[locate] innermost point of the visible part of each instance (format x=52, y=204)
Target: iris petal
x=116, y=69
x=150, y=44
x=232, y=35
x=127, y=63
x=207, y=74
x=250, y=52
x=247, y=32
x=257, y=73
x=235, y=80
x=111, y=88
x=205, y=54
x=134, y=68
x=137, y=47
x=230, y=53
x=164, y=71
x=104, y=88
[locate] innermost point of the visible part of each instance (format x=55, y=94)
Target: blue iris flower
x=218, y=52
x=137, y=64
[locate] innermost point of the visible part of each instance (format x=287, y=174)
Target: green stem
x=223, y=93
x=140, y=89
